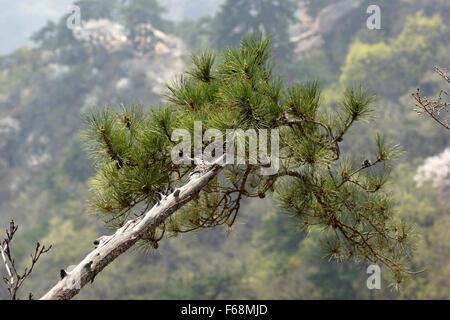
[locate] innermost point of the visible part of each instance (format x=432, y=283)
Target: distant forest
x=127, y=55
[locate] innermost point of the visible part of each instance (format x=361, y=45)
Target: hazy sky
x=20, y=18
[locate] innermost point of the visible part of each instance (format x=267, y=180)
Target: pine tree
x=142, y=192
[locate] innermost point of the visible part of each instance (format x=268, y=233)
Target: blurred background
x=125, y=52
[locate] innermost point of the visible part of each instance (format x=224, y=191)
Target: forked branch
x=436, y=108
x=15, y=279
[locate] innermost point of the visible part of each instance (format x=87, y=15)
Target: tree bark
x=124, y=238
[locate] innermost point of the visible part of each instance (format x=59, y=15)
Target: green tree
x=419, y=41
x=238, y=18
x=316, y=183
x=58, y=37
x=98, y=9
x=136, y=12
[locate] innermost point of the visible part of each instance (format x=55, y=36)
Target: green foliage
x=130, y=13
x=98, y=9
x=376, y=59
x=195, y=33
x=56, y=36
x=132, y=164
x=238, y=18
x=270, y=253
x=213, y=284
x=132, y=153
x=135, y=12
x=203, y=65
x=76, y=165
x=314, y=6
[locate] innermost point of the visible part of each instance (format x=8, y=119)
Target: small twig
x=437, y=108
x=16, y=278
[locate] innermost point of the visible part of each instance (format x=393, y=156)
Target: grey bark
x=125, y=237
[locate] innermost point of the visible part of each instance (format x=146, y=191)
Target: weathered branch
x=109, y=248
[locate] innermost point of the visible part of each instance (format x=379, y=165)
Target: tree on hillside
x=433, y=179
x=136, y=12
x=238, y=18
x=138, y=16
x=139, y=190
x=56, y=36
x=420, y=40
x=98, y=9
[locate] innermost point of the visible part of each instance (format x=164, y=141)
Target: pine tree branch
x=126, y=237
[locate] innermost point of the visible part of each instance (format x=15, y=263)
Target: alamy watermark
x=231, y=151
x=374, y=280
x=73, y=21
x=374, y=20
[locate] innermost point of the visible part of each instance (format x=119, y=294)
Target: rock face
x=157, y=57
x=118, y=66
x=9, y=132
x=149, y=59
x=329, y=16
x=310, y=32
x=101, y=34
x=9, y=129
x=313, y=30
x=436, y=170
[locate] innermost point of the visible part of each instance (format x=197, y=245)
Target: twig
x=16, y=278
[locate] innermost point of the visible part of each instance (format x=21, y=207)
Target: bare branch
x=127, y=236
x=436, y=108
x=16, y=278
